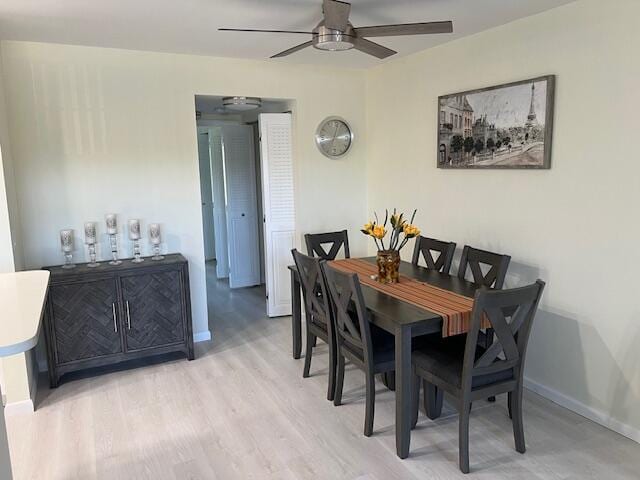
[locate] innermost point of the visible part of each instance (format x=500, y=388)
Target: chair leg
x=307, y=354
x=515, y=402
x=463, y=438
x=415, y=400
x=488, y=340
x=389, y=380
x=433, y=397
x=337, y=398
x=509, y=404
x=331, y=389
x=371, y=403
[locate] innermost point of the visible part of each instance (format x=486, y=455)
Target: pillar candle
x=90, y=233
x=66, y=240
x=112, y=223
x=134, y=229
x=154, y=233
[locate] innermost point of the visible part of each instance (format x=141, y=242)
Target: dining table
x=400, y=318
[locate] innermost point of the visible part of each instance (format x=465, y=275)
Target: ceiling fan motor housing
x=333, y=40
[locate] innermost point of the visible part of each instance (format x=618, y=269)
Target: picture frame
x=506, y=126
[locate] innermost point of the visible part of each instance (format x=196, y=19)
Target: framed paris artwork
x=506, y=126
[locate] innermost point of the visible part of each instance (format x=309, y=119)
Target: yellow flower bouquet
x=388, y=258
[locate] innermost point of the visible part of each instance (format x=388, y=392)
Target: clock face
x=334, y=137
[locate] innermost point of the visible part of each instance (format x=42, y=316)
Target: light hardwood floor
x=242, y=410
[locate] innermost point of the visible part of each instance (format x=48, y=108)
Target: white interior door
x=219, y=203
x=278, y=205
x=242, y=207
x=206, y=194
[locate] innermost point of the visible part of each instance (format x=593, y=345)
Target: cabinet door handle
x=115, y=321
x=128, y=315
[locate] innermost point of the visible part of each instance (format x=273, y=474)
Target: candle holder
x=66, y=242
x=134, y=236
x=90, y=238
x=92, y=256
x=112, y=231
x=156, y=239
x=136, y=252
x=113, y=242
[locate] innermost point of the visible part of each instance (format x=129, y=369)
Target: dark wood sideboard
x=114, y=313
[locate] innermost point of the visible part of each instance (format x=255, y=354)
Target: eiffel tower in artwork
x=531, y=118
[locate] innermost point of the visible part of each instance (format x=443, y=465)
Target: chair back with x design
x=327, y=245
x=496, y=264
x=511, y=314
x=426, y=246
x=351, y=318
x=314, y=290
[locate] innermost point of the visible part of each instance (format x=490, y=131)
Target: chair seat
x=443, y=358
x=383, y=349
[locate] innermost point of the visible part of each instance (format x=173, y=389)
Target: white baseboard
x=204, y=336
x=580, y=408
x=19, y=408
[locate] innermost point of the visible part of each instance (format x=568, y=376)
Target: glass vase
x=388, y=262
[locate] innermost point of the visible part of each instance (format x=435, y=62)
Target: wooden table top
x=388, y=312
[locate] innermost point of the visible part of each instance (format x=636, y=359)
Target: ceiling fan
x=335, y=32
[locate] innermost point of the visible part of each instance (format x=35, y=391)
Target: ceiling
x=190, y=26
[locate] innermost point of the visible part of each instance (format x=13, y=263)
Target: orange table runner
x=454, y=309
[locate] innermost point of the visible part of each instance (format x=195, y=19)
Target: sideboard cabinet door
x=153, y=310
x=86, y=324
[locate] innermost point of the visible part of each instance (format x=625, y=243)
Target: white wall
x=7, y=191
x=99, y=130
x=575, y=226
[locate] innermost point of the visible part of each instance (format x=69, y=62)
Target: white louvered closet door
x=219, y=207
x=278, y=204
x=242, y=206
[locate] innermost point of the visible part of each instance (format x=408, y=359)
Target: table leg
x=403, y=390
x=296, y=315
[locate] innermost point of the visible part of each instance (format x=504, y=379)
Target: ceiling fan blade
x=292, y=49
x=261, y=31
x=405, y=29
x=336, y=14
x=372, y=48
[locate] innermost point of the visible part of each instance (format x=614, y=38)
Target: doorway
x=246, y=186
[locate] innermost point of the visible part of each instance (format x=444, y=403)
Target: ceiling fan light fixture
x=241, y=104
x=332, y=40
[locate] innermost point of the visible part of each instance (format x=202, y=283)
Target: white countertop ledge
x=22, y=297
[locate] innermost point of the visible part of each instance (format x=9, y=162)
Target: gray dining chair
x=496, y=265
x=474, y=259
x=318, y=315
x=327, y=245
x=469, y=372
x=425, y=246
x=368, y=347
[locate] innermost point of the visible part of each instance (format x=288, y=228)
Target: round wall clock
x=334, y=137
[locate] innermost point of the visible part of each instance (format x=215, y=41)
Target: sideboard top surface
x=125, y=267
